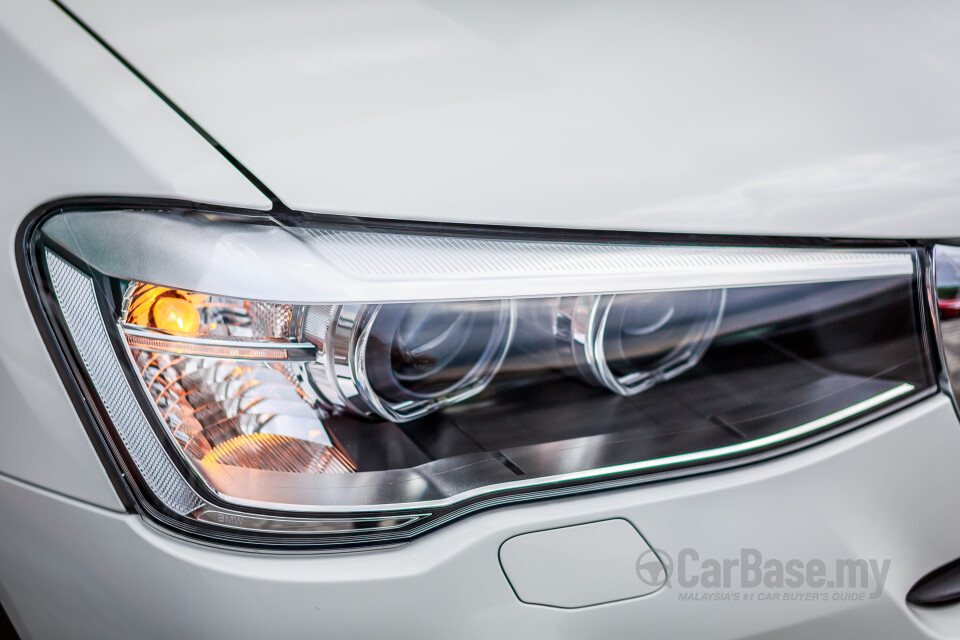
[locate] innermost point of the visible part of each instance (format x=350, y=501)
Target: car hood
x=790, y=118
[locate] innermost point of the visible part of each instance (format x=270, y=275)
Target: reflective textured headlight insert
x=309, y=382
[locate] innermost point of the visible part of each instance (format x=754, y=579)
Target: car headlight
x=312, y=381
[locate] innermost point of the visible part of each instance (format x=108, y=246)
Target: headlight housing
x=309, y=381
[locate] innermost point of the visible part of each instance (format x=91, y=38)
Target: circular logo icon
x=654, y=567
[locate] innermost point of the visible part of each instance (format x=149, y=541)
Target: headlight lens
x=630, y=342
x=331, y=384
x=403, y=361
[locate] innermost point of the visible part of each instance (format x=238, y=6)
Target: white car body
x=750, y=119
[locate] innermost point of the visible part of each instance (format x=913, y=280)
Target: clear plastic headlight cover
x=946, y=267
x=310, y=382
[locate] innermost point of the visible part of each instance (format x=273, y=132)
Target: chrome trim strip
x=280, y=349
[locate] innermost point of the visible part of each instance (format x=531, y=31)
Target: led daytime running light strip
x=694, y=456
x=759, y=443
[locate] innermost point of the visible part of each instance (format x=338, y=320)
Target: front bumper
x=885, y=491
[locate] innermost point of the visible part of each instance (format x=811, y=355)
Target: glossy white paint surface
x=804, y=117
x=70, y=109
x=75, y=571
x=73, y=121
x=581, y=566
